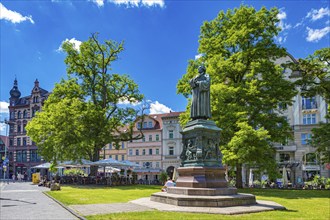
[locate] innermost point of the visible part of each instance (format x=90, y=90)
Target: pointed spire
x=36, y=83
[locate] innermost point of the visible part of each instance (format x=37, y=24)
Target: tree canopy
x=239, y=51
x=84, y=111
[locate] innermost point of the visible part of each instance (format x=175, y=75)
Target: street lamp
x=6, y=168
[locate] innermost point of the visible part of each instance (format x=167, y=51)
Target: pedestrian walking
x=14, y=178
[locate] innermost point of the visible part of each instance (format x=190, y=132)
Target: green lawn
x=79, y=195
x=300, y=204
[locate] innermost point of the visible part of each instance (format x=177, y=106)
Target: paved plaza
x=22, y=200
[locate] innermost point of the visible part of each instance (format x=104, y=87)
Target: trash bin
x=35, y=178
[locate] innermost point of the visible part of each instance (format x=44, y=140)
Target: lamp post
x=6, y=167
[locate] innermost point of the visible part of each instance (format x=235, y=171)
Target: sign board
x=311, y=167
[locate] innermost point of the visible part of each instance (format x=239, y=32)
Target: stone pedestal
x=201, y=181
x=201, y=177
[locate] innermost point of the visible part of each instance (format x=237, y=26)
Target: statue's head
x=201, y=69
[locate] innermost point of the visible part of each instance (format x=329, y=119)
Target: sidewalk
x=22, y=200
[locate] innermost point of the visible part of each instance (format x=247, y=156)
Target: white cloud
x=314, y=35
x=139, y=3
x=158, y=108
x=282, y=16
x=75, y=42
x=99, y=3
x=315, y=14
x=13, y=16
x=4, y=107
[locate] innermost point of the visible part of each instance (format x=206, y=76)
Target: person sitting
x=169, y=183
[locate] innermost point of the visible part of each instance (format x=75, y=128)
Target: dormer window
x=150, y=124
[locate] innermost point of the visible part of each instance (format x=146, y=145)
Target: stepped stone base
x=202, y=191
x=203, y=201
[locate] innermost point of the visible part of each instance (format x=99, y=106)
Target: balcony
x=311, y=166
x=288, y=163
x=288, y=148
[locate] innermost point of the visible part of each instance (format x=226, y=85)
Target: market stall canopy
x=130, y=163
x=109, y=170
x=76, y=163
x=45, y=166
x=109, y=162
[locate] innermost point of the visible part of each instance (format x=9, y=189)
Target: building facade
x=22, y=151
x=296, y=155
x=146, y=152
x=171, y=142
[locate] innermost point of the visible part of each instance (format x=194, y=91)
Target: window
x=157, y=164
x=170, y=134
x=308, y=103
x=284, y=157
x=157, y=151
x=171, y=150
x=24, y=125
x=130, y=152
x=24, y=114
x=12, y=115
x=150, y=124
x=110, y=156
x=305, y=138
x=122, y=145
x=18, y=141
x=11, y=128
x=145, y=124
x=143, y=139
x=116, y=157
x=19, y=114
x=11, y=142
x=33, y=155
x=34, y=112
x=309, y=119
x=24, y=156
x=110, y=146
x=144, y=152
x=18, y=128
x=122, y=157
x=24, y=141
x=150, y=137
x=150, y=151
x=19, y=156
x=138, y=125
x=137, y=152
x=157, y=137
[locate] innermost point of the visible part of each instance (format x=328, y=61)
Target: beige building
x=147, y=151
x=171, y=142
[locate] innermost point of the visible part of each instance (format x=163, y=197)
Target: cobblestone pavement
x=22, y=200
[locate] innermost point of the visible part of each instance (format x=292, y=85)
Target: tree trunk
x=96, y=157
x=239, y=183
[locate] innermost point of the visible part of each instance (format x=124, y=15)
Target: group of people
x=20, y=177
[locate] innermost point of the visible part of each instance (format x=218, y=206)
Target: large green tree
x=239, y=50
x=84, y=112
x=314, y=79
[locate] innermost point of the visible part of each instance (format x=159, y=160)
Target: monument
x=201, y=181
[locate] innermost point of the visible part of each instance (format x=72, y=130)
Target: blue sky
x=160, y=37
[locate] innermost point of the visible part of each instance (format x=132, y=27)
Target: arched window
x=19, y=114
x=24, y=114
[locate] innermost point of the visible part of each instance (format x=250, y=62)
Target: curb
x=64, y=206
